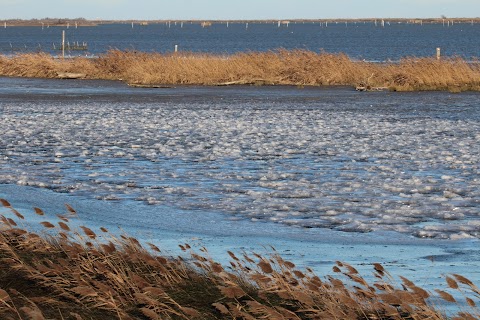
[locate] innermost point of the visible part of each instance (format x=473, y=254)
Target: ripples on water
x=312, y=158
x=358, y=40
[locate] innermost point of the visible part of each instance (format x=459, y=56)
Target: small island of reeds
x=62, y=272
x=282, y=67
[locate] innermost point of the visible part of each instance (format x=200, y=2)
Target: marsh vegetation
x=282, y=67
x=62, y=272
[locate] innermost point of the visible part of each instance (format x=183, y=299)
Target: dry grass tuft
x=84, y=275
x=282, y=67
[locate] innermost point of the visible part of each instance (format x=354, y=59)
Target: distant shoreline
x=81, y=22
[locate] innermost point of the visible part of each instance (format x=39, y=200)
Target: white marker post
x=63, y=44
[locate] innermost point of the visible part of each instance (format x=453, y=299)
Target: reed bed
x=62, y=273
x=282, y=67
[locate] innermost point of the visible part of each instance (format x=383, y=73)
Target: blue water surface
x=357, y=40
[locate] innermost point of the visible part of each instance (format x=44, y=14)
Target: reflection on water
x=329, y=158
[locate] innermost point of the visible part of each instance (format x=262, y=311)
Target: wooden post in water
x=438, y=53
x=63, y=44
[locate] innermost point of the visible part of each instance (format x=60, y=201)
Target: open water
x=358, y=40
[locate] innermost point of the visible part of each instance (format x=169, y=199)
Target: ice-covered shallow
x=322, y=174
x=315, y=158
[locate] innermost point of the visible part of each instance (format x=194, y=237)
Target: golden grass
x=63, y=274
x=282, y=67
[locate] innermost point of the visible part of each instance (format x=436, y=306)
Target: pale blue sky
x=236, y=9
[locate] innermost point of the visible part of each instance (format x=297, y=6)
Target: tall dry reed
x=62, y=273
x=282, y=67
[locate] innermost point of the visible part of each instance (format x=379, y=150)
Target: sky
x=236, y=9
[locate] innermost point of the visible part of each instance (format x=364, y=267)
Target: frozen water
x=320, y=174
x=310, y=158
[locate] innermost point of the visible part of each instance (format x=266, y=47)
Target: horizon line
x=242, y=19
